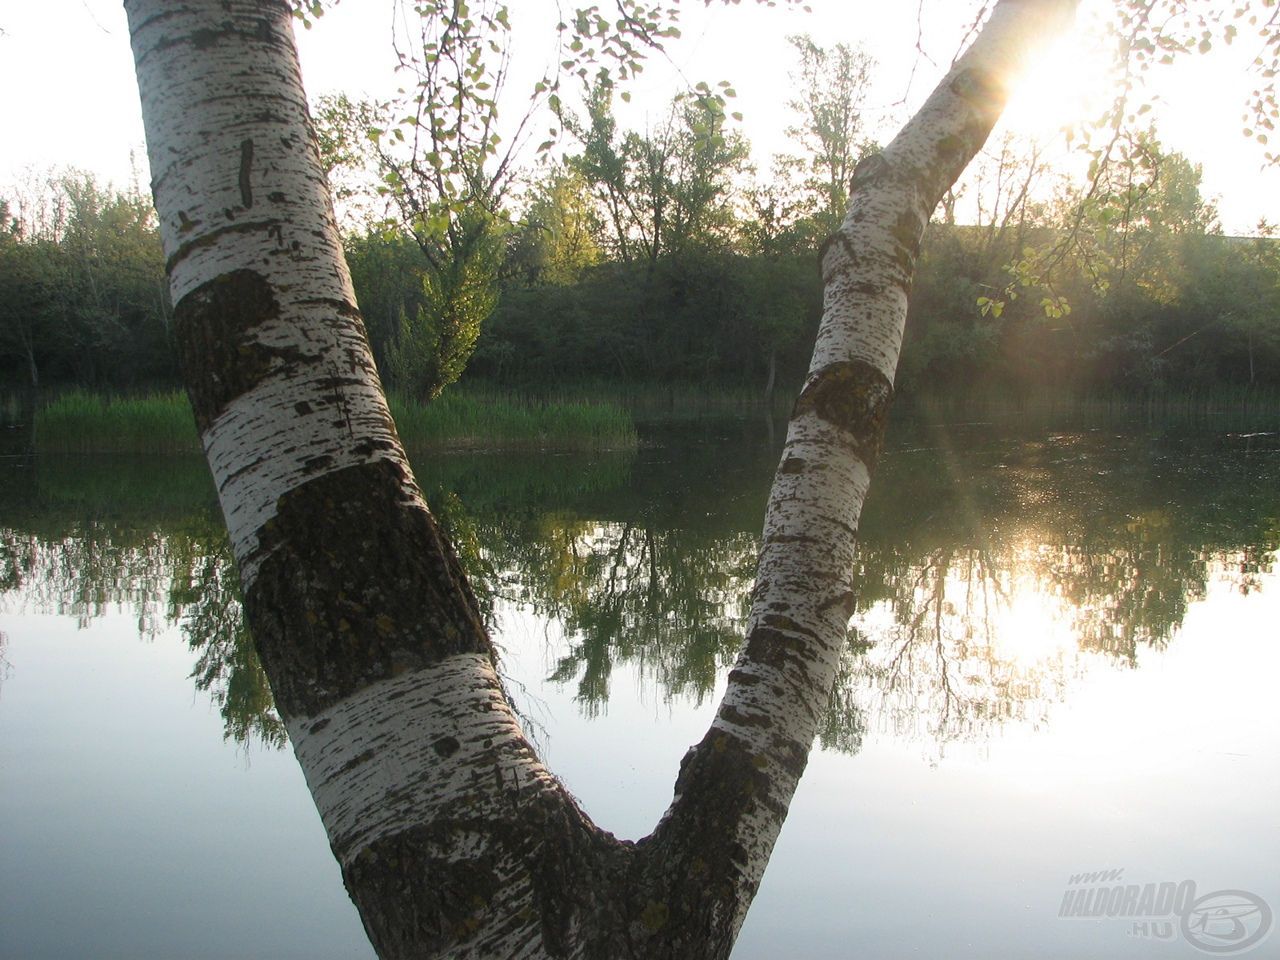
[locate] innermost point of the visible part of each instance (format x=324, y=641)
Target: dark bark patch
x=213, y=328
x=246, y=173
x=417, y=900
x=414, y=903
x=868, y=170
x=771, y=647
x=845, y=601
x=841, y=265
x=446, y=746
x=738, y=718
x=655, y=915
x=977, y=87
x=781, y=622
x=908, y=232
x=693, y=857
x=853, y=396
x=356, y=585
x=792, y=465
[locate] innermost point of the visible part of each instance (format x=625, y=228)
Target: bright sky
x=71, y=101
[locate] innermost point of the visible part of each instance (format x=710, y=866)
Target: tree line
x=662, y=255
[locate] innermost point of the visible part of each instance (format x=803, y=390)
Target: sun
x=1032, y=628
x=1067, y=84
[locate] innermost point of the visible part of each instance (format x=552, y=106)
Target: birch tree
x=453, y=839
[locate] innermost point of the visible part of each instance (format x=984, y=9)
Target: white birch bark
x=288, y=402
x=238, y=185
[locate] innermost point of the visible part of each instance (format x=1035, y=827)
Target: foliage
x=662, y=192
x=832, y=85
x=81, y=285
x=434, y=343
x=647, y=256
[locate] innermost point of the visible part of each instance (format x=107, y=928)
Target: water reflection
x=995, y=571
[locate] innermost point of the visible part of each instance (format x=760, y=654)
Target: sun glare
x=1066, y=85
x=1032, y=626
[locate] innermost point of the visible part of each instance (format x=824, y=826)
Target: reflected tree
x=1091, y=548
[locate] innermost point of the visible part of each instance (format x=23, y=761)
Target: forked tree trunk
x=453, y=839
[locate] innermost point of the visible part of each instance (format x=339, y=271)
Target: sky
x=71, y=100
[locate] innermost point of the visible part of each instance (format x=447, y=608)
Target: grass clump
x=475, y=420
x=82, y=422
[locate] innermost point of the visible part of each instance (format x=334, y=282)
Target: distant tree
x=82, y=285
x=668, y=190
x=435, y=154
x=25, y=298
x=1234, y=301
x=556, y=237
x=831, y=87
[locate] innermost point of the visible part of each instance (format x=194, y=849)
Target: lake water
x=1064, y=663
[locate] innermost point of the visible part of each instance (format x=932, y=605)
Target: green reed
x=82, y=422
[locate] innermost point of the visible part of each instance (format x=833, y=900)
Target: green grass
x=478, y=420
x=80, y=422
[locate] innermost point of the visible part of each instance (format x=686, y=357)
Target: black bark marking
x=414, y=903
x=214, y=332
x=213, y=236
x=792, y=465
x=771, y=647
x=356, y=585
x=446, y=746
x=845, y=601
x=781, y=621
x=246, y=170
x=868, y=170
x=908, y=232
x=738, y=718
x=853, y=396
x=417, y=900
x=850, y=261
x=356, y=761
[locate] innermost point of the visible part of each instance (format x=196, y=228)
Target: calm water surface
x=1064, y=662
